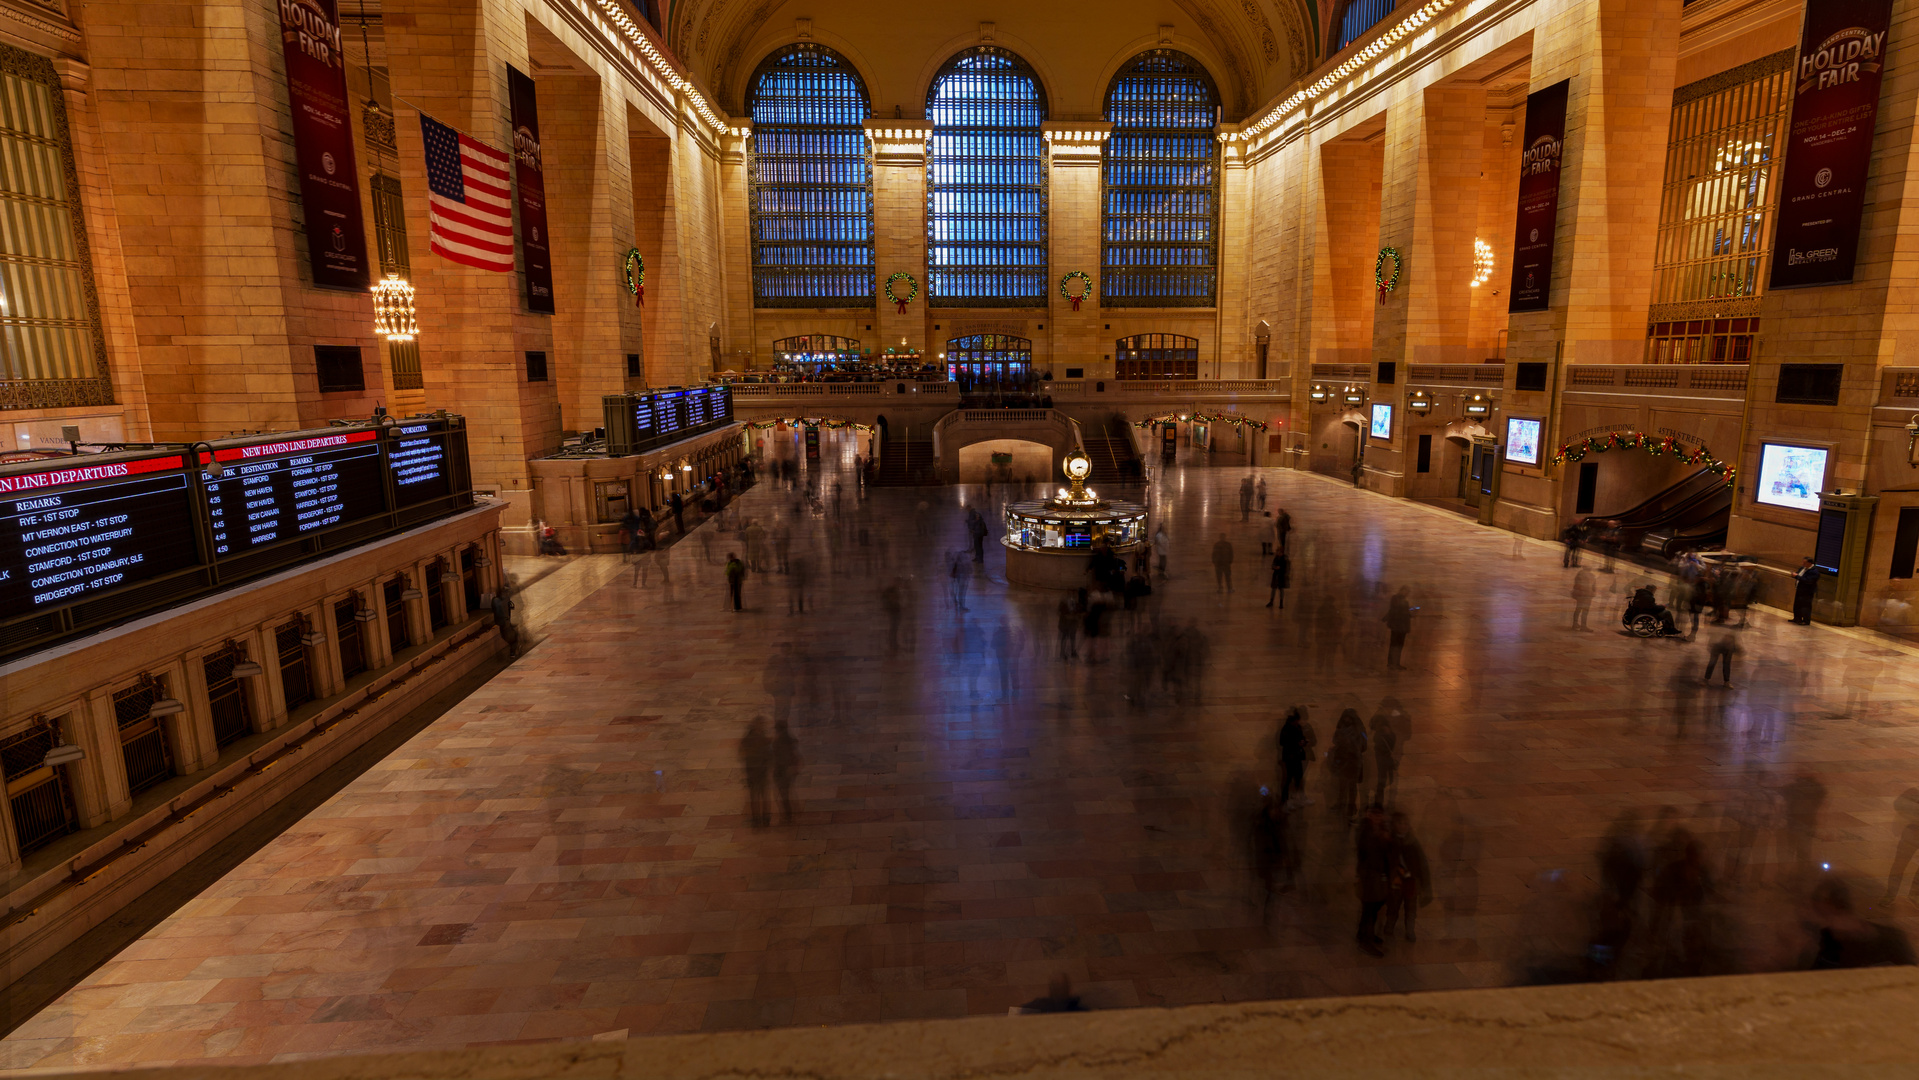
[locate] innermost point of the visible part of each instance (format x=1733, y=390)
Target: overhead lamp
x=1478, y=406
x=62, y=754
x=1420, y=402
x=411, y=594
x=393, y=315
x=365, y=615
x=166, y=706
x=1319, y=392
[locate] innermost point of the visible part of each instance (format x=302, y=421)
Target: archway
x=1002, y=461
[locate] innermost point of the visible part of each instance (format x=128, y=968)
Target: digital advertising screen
x=272, y=492
x=1791, y=476
x=419, y=464
x=70, y=532
x=1522, y=439
x=1382, y=421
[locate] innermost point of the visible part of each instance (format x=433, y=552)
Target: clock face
x=1078, y=466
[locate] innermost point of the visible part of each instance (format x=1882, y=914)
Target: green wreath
x=910, y=297
x=1083, y=276
x=634, y=269
x=1387, y=284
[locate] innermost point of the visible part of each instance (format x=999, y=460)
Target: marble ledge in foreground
x=1836, y=1023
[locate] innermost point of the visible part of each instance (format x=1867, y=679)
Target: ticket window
x=144, y=741
x=397, y=634
x=470, y=577
x=296, y=672
x=346, y=629
x=612, y=500
x=436, y=608
x=227, y=699
x=39, y=796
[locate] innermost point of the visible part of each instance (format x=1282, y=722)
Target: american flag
x=468, y=210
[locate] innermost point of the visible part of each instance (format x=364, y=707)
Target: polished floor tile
x=572, y=850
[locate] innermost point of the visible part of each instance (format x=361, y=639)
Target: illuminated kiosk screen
x=1382, y=421
x=1791, y=476
x=1522, y=440
x=419, y=464
x=269, y=493
x=68, y=533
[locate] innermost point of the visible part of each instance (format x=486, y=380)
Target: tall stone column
x=1232, y=291
x=1073, y=240
x=736, y=225
x=449, y=57
x=899, y=231
x=590, y=212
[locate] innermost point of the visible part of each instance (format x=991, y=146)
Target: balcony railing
x=1716, y=380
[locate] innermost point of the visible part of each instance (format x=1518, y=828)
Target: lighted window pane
x=812, y=181
x=986, y=183
x=1161, y=185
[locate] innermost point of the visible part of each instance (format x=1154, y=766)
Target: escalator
x=1691, y=515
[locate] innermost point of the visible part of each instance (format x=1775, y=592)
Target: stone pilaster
x=1074, y=338
x=899, y=230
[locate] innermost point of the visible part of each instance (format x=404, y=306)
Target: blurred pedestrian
x=1373, y=843
x=1848, y=941
x=1399, y=621
x=798, y=577
x=1385, y=756
x=1411, y=884
x=1161, y=546
x=959, y=578
x=1296, y=749
x=1724, y=647
x=1259, y=493
x=756, y=760
x=735, y=577
x=785, y=760
x=1282, y=528
x=1906, y=807
x=1267, y=837
x=1069, y=613
x=678, y=506
x=976, y=529
x=1583, y=590
x=1282, y=577
x=1245, y=498
x=1347, y=762
x=1222, y=565
x=1803, y=798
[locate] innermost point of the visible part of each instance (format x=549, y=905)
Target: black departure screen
x=419, y=464
x=273, y=492
x=67, y=533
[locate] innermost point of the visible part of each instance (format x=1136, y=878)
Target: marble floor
x=570, y=852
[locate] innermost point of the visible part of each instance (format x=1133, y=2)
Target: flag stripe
x=470, y=220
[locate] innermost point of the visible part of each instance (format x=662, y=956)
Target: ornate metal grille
x=1162, y=185
x=1156, y=356
x=227, y=699
x=986, y=183
x=143, y=739
x=295, y=686
x=52, y=351
x=812, y=182
x=1716, y=213
x=42, y=805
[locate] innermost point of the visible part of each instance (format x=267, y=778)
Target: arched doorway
x=990, y=366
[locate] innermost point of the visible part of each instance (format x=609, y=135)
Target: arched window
x=817, y=349
x=1358, y=17
x=986, y=183
x=1156, y=356
x=1162, y=185
x=990, y=363
x=812, y=182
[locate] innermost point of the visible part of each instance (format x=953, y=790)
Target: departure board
x=67, y=533
x=419, y=463
x=273, y=492
x=669, y=412
x=696, y=407
x=643, y=418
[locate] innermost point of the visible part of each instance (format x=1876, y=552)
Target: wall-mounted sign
x=1539, y=167
x=529, y=191
x=1842, y=50
x=1522, y=440
x=323, y=143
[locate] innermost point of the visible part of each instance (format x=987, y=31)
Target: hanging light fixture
x=393, y=316
x=1478, y=407
x=1355, y=395
x=1319, y=392
x=1482, y=262
x=1420, y=402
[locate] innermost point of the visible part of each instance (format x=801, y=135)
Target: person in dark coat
x=735, y=577
x=1385, y=756
x=756, y=760
x=678, y=506
x=1296, y=749
x=785, y=765
x=1282, y=578
x=1374, y=844
x=1806, y=584
x=1267, y=837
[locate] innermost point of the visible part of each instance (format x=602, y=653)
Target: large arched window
x=986, y=183
x=812, y=182
x=1162, y=185
x=1357, y=17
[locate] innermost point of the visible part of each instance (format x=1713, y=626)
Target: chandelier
x=1482, y=262
x=393, y=309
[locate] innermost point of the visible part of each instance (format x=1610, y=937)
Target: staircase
x=1112, y=452
x=905, y=462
